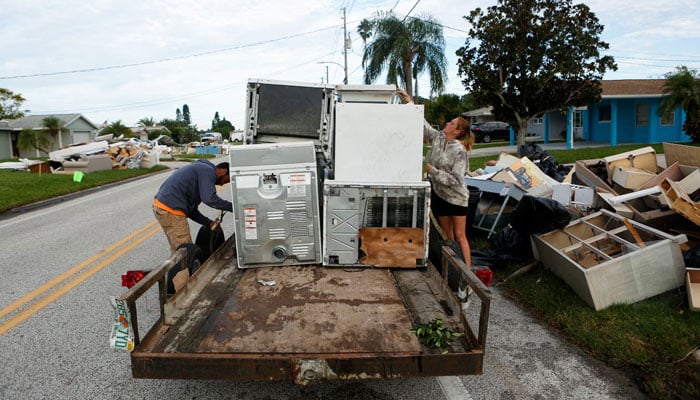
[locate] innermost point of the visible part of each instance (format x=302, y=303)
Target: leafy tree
x=146, y=121
x=42, y=139
x=215, y=121
x=10, y=104
x=225, y=128
x=405, y=49
x=682, y=89
x=180, y=132
x=529, y=57
x=117, y=129
x=178, y=115
x=364, y=29
x=186, y=114
x=443, y=108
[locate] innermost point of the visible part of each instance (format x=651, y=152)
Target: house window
x=668, y=118
x=578, y=119
x=538, y=120
x=604, y=113
x=642, y=115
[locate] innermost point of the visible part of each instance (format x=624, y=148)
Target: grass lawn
x=21, y=188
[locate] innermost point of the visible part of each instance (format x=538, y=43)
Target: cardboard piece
x=526, y=175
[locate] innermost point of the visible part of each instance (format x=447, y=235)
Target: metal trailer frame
x=172, y=347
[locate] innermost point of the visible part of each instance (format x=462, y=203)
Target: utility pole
x=346, y=45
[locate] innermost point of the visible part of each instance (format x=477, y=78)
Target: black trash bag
x=535, y=215
x=508, y=241
x=209, y=240
x=530, y=150
x=492, y=259
x=692, y=257
x=191, y=262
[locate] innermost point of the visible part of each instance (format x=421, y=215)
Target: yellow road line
x=55, y=295
x=57, y=280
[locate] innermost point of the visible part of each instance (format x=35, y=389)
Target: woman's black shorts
x=441, y=208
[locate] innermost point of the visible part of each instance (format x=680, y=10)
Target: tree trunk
x=520, y=134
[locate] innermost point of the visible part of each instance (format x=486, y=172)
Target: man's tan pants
x=176, y=228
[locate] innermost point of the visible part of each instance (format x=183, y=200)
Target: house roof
x=632, y=88
x=478, y=112
x=36, y=121
x=148, y=129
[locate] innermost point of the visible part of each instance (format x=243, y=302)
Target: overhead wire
x=205, y=53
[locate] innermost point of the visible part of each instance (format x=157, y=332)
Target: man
x=180, y=195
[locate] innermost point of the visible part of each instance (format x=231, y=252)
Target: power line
x=410, y=11
x=206, y=53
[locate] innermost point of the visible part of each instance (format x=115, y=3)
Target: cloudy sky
x=126, y=60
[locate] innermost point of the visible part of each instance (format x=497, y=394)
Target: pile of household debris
x=99, y=155
x=618, y=229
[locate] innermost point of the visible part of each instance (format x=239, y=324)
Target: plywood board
x=683, y=154
x=391, y=247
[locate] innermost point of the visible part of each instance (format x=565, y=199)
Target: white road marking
x=453, y=388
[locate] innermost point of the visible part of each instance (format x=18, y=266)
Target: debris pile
x=99, y=155
x=617, y=229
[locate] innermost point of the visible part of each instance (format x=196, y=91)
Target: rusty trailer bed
x=306, y=323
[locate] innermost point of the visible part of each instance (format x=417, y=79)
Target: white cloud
x=203, y=53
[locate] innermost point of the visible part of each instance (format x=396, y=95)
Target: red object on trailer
x=132, y=277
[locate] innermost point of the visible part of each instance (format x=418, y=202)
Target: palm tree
x=38, y=139
x=117, y=129
x=33, y=139
x=146, y=121
x=405, y=48
x=682, y=89
x=364, y=30
x=53, y=127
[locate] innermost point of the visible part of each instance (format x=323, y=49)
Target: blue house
x=627, y=113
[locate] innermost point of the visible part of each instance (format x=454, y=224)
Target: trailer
x=307, y=323
x=328, y=274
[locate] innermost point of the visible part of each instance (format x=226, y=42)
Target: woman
x=447, y=167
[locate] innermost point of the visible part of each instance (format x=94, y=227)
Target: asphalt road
x=61, y=263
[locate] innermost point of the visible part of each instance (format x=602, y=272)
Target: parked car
x=210, y=137
x=488, y=131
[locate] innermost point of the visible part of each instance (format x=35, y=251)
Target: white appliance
x=275, y=192
x=378, y=142
x=349, y=207
x=281, y=111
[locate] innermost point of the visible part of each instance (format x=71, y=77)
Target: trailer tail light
x=132, y=277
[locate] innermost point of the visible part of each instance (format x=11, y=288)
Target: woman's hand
x=428, y=167
x=403, y=95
